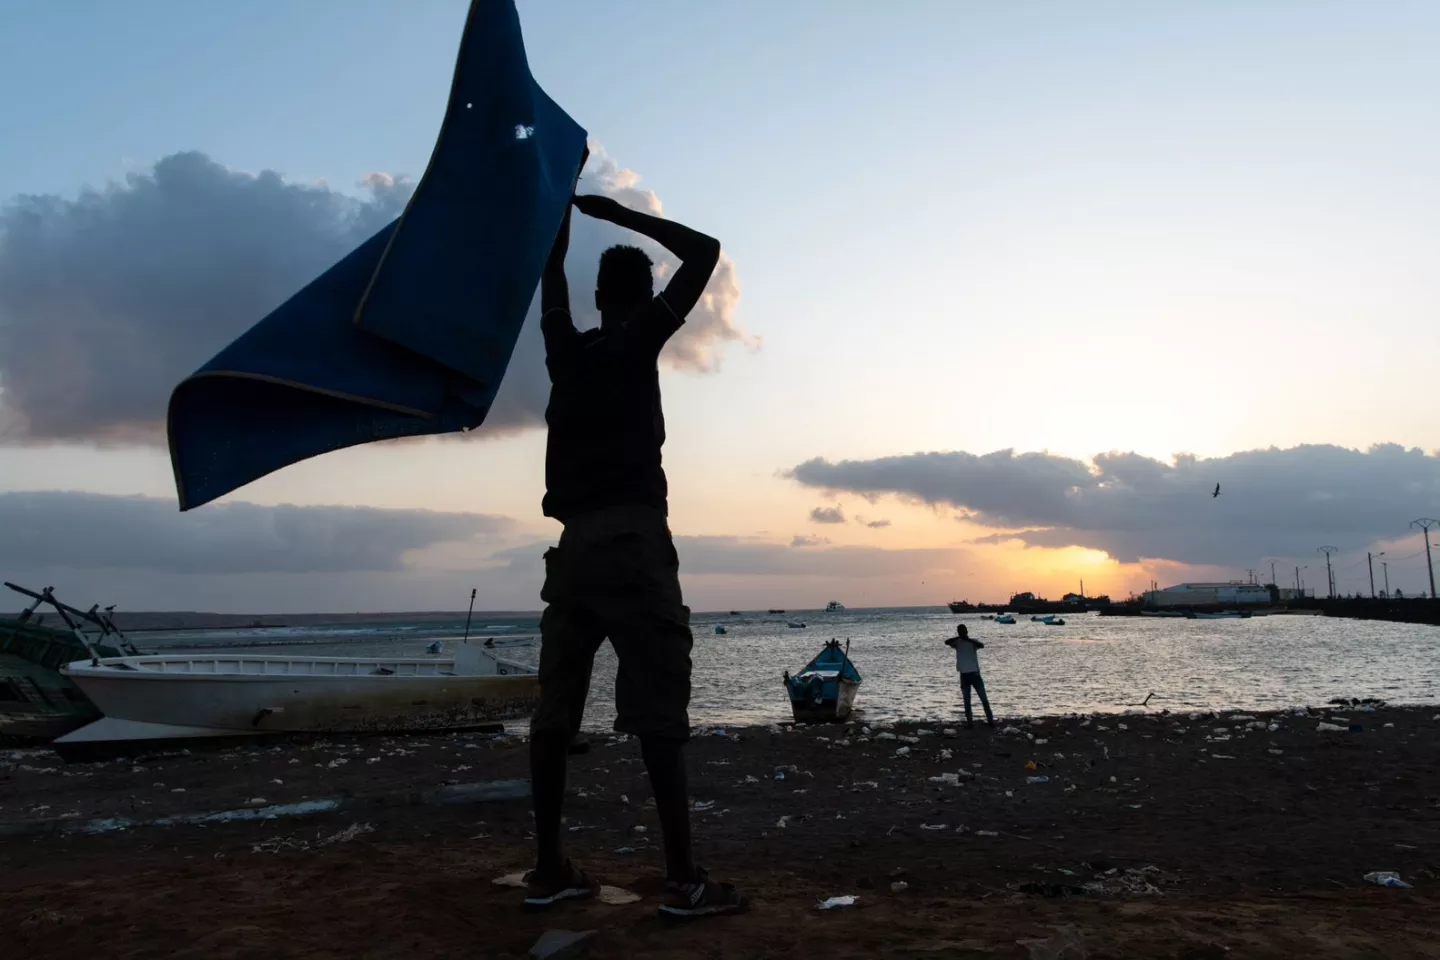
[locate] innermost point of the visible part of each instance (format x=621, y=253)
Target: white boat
x=212, y=694
x=834, y=606
x=795, y=624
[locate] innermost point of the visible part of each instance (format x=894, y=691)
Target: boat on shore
x=824, y=691
x=1005, y=618
x=37, y=702
x=217, y=695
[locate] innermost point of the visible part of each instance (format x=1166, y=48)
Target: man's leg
x=665, y=763
x=984, y=700
x=650, y=630
x=567, y=654
x=965, y=692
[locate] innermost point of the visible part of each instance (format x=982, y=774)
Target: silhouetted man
x=615, y=572
x=967, y=664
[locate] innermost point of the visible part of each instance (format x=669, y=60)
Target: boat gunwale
x=109, y=668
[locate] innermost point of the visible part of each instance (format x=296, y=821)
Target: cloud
x=51, y=530
x=827, y=515
x=249, y=558
x=1274, y=502
x=877, y=524
x=801, y=540
x=723, y=556
x=110, y=299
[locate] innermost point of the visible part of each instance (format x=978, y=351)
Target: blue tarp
x=410, y=334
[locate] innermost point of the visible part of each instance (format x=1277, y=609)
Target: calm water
x=1092, y=664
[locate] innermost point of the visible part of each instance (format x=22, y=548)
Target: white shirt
x=966, y=657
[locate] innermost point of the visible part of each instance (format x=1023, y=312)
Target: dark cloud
x=1280, y=502
x=877, y=524
x=827, y=515
x=108, y=300
x=55, y=530
x=712, y=556
x=803, y=540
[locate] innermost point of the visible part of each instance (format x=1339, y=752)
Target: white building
x=1234, y=593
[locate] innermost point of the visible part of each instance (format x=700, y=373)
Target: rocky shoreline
x=1143, y=834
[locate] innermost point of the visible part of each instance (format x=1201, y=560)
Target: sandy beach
x=1157, y=835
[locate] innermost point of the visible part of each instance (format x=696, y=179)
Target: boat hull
x=828, y=710
x=309, y=695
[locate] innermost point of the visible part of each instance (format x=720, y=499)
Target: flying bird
x=1216, y=493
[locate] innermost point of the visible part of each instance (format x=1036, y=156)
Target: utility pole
x=1425, y=523
x=1371, y=561
x=1252, y=575
x=1297, y=581
x=1329, y=571
x=1272, y=573
x=1385, y=568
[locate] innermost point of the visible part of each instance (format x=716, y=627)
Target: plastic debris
x=1037, y=779
x=899, y=886
x=947, y=754
x=617, y=895
x=1324, y=727
x=561, y=944
x=986, y=833
x=639, y=829
x=1387, y=878
x=836, y=903
x=1275, y=751
x=781, y=822
x=884, y=736
x=934, y=826
x=624, y=851
x=1031, y=765
x=787, y=771
x=257, y=801
x=903, y=752
x=949, y=779
x=346, y=835
x=949, y=731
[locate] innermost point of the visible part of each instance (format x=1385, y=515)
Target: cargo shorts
x=616, y=575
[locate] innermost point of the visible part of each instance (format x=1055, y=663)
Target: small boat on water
x=720, y=631
x=1005, y=618
x=795, y=624
x=1223, y=615
x=207, y=695
x=824, y=691
x=1050, y=620
x=834, y=606
x=777, y=611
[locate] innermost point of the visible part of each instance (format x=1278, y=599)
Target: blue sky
x=1149, y=227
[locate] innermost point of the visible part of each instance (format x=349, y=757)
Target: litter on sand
x=1387, y=878
x=835, y=903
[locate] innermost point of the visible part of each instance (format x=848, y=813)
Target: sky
x=1007, y=289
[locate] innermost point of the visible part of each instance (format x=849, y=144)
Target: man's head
x=626, y=283
x=962, y=631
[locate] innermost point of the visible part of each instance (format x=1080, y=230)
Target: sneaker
x=703, y=898
x=573, y=884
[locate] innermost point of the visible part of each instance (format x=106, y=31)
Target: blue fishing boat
x=824, y=692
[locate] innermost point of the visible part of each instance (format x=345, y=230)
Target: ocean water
x=1092, y=664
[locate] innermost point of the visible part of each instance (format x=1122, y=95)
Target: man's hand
x=597, y=206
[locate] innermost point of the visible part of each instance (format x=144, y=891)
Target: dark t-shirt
x=606, y=425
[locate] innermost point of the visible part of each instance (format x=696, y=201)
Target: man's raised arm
x=697, y=252
x=555, y=322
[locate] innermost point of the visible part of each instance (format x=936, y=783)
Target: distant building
x=1234, y=593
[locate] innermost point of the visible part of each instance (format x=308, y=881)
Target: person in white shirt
x=967, y=664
